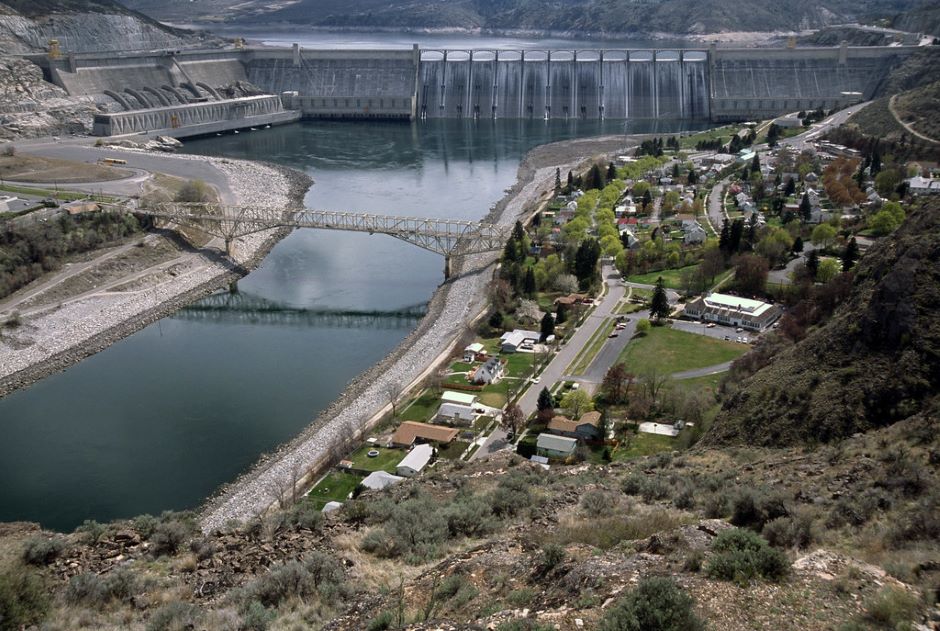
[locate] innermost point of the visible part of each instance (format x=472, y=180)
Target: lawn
x=672, y=278
x=707, y=385
x=481, y=423
x=668, y=350
x=460, y=367
x=452, y=451
x=422, y=408
x=335, y=487
x=626, y=308
x=387, y=460
x=640, y=444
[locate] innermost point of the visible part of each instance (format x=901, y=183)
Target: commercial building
x=733, y=311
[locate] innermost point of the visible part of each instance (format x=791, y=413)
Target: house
x=733, y=311
x=552, y=446
x=409, y=432
x=378, y=480
x=571, y=300
x=694, y=232
x=416, y=460
x=819, y=215
x=811, y=178
x=490, y=372
x=474, y=352
x=519, y=340
x=460, y=398
x=588, y=427
x=660, y=429
x=923, y=186
x=632, y=242
x=455, y=414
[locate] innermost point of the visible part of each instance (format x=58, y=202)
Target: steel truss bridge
x=448, y=237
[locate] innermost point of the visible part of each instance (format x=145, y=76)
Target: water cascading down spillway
x=563, y=84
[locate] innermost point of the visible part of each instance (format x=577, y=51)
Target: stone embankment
x=456, y=304
x=30, y=106
x=52, y=340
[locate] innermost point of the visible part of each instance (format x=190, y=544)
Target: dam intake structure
x=182, y=90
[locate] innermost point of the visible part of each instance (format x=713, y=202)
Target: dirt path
x=897, y=117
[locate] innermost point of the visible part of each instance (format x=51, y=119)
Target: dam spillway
x=716, y=84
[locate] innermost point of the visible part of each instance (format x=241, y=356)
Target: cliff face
x=875, y=362
x=84, y=27
x=29, y=106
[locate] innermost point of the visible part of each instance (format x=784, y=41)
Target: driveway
x=493, y=443
x=784, y=276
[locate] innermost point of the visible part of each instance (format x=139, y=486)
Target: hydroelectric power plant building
x=186, y=92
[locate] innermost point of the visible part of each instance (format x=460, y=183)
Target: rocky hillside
x=29, y=106
x=577, y=16
x=98, y=25
x=875, y=362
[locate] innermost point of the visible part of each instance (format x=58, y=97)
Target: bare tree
x=654, y=382
x=393, y=390
x=513, y=418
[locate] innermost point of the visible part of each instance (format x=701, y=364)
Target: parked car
x=727, y=338
x=613, y=334
x=739, y=330
x=710, y=325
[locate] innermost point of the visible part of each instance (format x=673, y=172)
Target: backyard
x=667, y=350
x=335, y=487
x=387, y=460
x=672, y=278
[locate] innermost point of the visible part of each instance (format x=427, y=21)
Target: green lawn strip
x=592, y=348
x=670, y=350
x=723, y=278
x=723, y=133
x=672, y=278
x=460, y=367
x=41, y=192
x=640, y=444
x=335, y=487
x=519, y=364
x=422, y=408
x=706, y=385
x=452, y=451
x=626, y=308
x=482, y=423
x=387, y=460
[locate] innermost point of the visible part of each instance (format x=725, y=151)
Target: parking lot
x=718, y=331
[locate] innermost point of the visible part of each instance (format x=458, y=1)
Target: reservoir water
x=159, y=420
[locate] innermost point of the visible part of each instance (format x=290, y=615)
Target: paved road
x=716, y=207
x=493, y=443
x=823, y=126
x=558, y=367
x=702, y=372
x=148, y=162
x=784, y=276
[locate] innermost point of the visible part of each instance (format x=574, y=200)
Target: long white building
x=733, y=311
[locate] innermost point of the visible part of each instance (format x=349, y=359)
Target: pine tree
x=570, y=182
x=724, y=238
x=561, y=313
x=798, y=244
x=557, y=181
x=528, y=283
x=546, y=400
x=812, y=264
x=547, y=326
x=659, y=307
x=611, y=172
x=595, y=177
x=737, y=231
x=755, y=164
x=675, y=171
x=791, y=187
x=647, y=199
x=518, y=232
x=806, y=208
x=849, y=255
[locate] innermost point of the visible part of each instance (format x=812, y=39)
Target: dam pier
x=189, y=93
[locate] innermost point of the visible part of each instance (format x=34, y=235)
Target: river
x=160, y=419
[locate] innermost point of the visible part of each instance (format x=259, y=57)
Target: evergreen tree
x=557, y=181
x=791, y=187
x=570, y=182
x=875, y=165
x=585, y=262
x=611, y=172
x=806, y=208
x=812, y=264
x=546, y=400
x=561, y=313
x=849, y=255
x=693, y=177
x=595, y=177
x=659, y=307
x=528, y=283
x=675, y=171
x=518, y=232
x=798, y=244
x=755, y=164
x=724, y=238
x=510, y=252
x=647, y=199
x=737, y=232
x=547, y=326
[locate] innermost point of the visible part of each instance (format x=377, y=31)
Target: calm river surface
x=159, y=420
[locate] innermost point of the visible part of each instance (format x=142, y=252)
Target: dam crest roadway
x=447, y=237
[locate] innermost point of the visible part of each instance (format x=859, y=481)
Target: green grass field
x=672, y=278
x=669, y=350
x=452, y=451
x=422, y=408
x=335, y=487
x=387, y=459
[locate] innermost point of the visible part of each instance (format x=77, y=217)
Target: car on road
x=710, y=325
x=739, y=330
x=614, y=334
x=727, y=338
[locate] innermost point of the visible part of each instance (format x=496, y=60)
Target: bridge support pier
x=447, y=266
x=229, y=248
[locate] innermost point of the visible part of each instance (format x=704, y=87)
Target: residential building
x=490, y=372
x=588, y=427
x=733, y=311
x=694, y=233
x=378, y=480
x=519, y=340
x=455, y=414
x=460, y=398
x=552, y=446
x=923, y=186
x=410, y=432
x=415, y=462
x=474, y=352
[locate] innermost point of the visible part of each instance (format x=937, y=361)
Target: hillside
x=577, y=16
x=875, y=362
x=80, y=26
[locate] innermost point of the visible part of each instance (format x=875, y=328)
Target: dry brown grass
x=28, y=168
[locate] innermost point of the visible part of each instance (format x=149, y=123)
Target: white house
x=733, y=311
x=518, y=340
x=694, y=232
x=416, y=460
x=472, y=351
x=378, y=480
x=490, y=372
x=923, y=185
x=455, y=414
x=460, y=398
x=552, y=446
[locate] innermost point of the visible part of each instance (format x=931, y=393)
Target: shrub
x=416, y=529
x=305, y=515
x=194, y=191
x=684, y=499
x=742, y=555
x=203, y=548
x=174, y=616
x=9, y=150
x=256, y=617
x=752, y=508
x=23, y=599
x=469, y=516
x=122, y=584
x=525, y=625
x=693, y=562
x=715, y=506
x=891, y=608
x=597, y=503
x=319, y=575
x=168, y=537
x=92, y=530
x=920, y=523
x=520, y=597
x=607, y=532
x=42, y=551
x=509, y=498
x=86, y=589
x=551, y=557
x=656, y=604
x=383, y=621
x=855, y=509
x=145, y=525
x=789, y=532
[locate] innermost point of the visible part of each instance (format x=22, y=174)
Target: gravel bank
x=55, y=339
x=366, y=398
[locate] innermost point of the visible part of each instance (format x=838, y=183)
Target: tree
x=806, y=208
x=828, y=269
x=577, y=402
x=585, y=262
x=755, y=164
x=617, y=382
x=812, y=264
x=570, y=181
x=750, y=273
x=659, y=306
x=883, y=222
x=546, y=401
x=675, y=171
x=798, y=244
x=724, y=237
x=528, y=284
x=643, y=327
x=849, y=255
x=557, y=181
x=595, y=178
x=611, y=172
x=513, y=419
x=547, y=326
x=561, y=313
x=790, y=188
x=822, y=235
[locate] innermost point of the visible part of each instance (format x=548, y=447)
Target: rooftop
x=556, y=443
x=418, y=457
x=724, y=301
x=408, y=431
x=378, y=480
x=462, y=398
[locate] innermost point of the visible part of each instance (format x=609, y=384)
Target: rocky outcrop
x=30, y=106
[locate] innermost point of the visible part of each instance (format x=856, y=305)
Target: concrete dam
x=186, y=91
